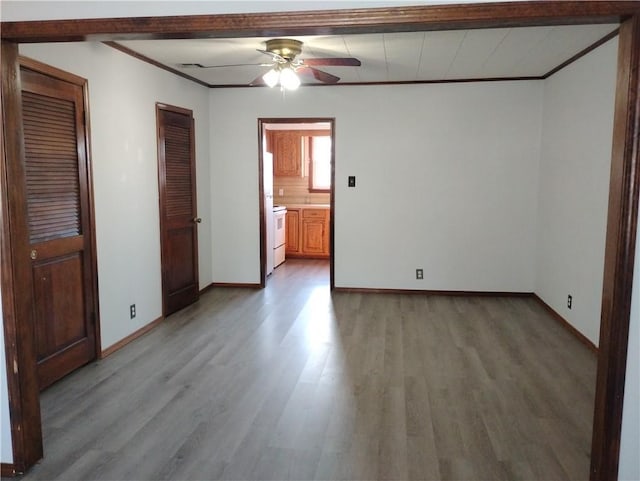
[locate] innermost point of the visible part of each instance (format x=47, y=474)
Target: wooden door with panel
x=178, y=211
x=59, y=211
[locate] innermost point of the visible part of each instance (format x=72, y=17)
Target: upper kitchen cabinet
x=287, y=153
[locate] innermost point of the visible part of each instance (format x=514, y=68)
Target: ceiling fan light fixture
x=288, y=79
x=271, y=78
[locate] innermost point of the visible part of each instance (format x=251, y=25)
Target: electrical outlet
x=569, y=301
x=419, y=274
x=132, y=310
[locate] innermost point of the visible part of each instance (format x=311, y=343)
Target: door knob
x=33, y=254
x=197, y=220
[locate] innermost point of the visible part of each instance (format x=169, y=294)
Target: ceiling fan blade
x=258, y=81
x=199, y=65
x=320, y=75
x=273, y=55
x=337, y=62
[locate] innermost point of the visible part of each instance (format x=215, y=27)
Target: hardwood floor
x=292, y=382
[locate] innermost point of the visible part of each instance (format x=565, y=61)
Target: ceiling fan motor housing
x=286, y=48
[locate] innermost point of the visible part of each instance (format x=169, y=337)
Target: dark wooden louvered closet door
x=59, y=224
x=178, y=214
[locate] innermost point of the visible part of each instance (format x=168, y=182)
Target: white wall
x=574, y=187
x=446, y=181
x=630, y=439
x=123, y=92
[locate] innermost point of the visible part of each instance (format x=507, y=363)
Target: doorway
x=297, y=175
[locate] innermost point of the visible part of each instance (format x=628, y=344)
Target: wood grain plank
x=326, y=22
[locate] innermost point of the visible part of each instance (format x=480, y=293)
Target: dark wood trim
x=263, y=243
x=17, y=295
x=131, y=337
x=8, y=470
x=298, y=120
x=206, y=288
x=624, y=190
x=431, y=292
x=582, y=53
x=37, y=66
x=246, y=285
x=564, y=323
x=174, y=108
x=261, y=213
x=332, y=210
x=92, y=219
x=325, y=22
x=155, y=63
x=392, y=82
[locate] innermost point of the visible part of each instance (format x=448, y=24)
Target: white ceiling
x=410, y=56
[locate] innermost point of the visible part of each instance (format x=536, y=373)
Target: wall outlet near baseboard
x=419, y=274
x=132, y=310
x=569, y=301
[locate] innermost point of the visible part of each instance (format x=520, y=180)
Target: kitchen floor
x=294, y=382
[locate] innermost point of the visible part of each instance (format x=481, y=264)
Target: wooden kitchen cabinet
x=292, y=224
x=314, y=233
x=287, y=153
x=313, y=236
x=308, y=232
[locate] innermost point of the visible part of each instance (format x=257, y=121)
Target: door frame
x=624, y=185
x=17, y=301
x=263, y=228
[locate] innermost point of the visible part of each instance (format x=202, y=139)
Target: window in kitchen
x=320, y=164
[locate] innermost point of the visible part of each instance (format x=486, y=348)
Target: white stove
x=279, y=234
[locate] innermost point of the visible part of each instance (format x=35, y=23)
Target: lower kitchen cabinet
x=292, y=223
x=308, y=232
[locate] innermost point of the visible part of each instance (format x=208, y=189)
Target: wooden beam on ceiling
x=326, y=22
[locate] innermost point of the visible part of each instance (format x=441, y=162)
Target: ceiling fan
x=286, y=68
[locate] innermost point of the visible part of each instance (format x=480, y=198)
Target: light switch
x=281, y=192
x=352, y=181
